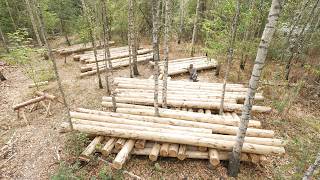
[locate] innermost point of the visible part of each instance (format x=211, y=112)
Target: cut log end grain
x=85, y=155
x=140, y=144
x=173, y=150
x=182, y=152
x=120, y=143
x=214, y=157
x=153, y=156
x=123, y=155
x=164, y=149
x=108, y=147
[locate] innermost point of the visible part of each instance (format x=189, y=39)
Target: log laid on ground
x=43, y=83
x=214, y=157
x=190, y=104
x=154, y=153
x=173, y=150
x=182, y=152
x=175, y=138
x=164, y=149
x=77, y=48
x=46, y=95
x=123, y=155
x=85, y=155
x=140, y=144
x=26, y=103
x=108, y=147
x=202, y=149
x=120, y=143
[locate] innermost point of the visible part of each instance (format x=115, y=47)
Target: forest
x=159, y=89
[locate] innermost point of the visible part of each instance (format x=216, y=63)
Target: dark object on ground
x=2, y=78
x=193, y=73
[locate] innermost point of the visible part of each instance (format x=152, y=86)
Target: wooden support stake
x=153, y=156
x=108, y=147
x=140, y=144
x=123, y=155
x=202, y=149
x=164, y=150
x=214, y=157
x=173, y=150
x=85, y=155
x=120, y=143
x=182, y=152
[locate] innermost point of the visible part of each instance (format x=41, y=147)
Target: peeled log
x=26, y=103
x=154, y=153
x=189, y=104
x=43, y=83
x=164, y=149
x=85, y=155
x=140, y=144
x=108, y=147
x=203, y=149
x=214, y=157
x=120, y=143
x=182, y=152
x=173, y=150
x=175, y=138
x=46, y=95
x=123, y=154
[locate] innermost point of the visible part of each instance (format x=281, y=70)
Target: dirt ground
x=38, y=148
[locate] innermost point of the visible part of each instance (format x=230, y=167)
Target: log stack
x=179, y=66
x=182, y=94
x=176, y=133
x=77, y=48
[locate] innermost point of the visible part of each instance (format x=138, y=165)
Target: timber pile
x=119, y=58
x=40, y=99
x=176, y=133
x=182, y=94
x=77, y=48
x=180, y=66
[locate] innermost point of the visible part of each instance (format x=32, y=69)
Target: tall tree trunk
x=166, y=52
x=230, y=53
x=33, y=22
x=4, y=41
x=299, y=40
x=266, y=38
x=92, y=38
x=130, y=39
x=2, y=78
x=55, y=68
x=11, y=17
x=107, y=55
x=182, y=13
x=195, y=27
x=156, y=54
x=308, y=174
x=64, y=32
x=133, y=38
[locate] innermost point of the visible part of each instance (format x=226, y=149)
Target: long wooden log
x=175, y=138
x=77, y=48
x=90, y=53
x=108, y=147
x=164, y=149
x=26, y=103
x=43, y=83
x=85, y=155
x=46, y=95
x=120, y=143
x=173, y=150
x=190, y=104
x=154, y=153
x=123, y=154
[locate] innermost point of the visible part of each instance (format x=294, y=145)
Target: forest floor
x=39, y=150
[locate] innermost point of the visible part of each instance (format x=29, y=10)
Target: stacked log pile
x=77, y=48
x=119, y=58
x=176, y=133
x=182, y=94
x=180, y=66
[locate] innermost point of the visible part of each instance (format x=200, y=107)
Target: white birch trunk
x=182, y=13
x=130, y=39
x=266, y=38
x=195, y=27
x=33, y=22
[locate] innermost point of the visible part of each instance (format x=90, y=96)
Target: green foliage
x=76, y=142
x=66, y=171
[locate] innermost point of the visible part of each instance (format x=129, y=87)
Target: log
x=173, y=150
x=254, y=140
x=190, y=104
x=182, y=152
x=46, y=95
x=85, y=155
x=164, y=149
x=43, y=83
x=208, y=111
x=175, y=138
x=154, y=153
x=120, y=143
x=123, y=155
x=108, y=120
x=26, y=103
x=214, y=157
x=77, y=48
x=108, y=147
x=140, y=144
x=254, y=158
x=202, y=149
x=200, y=111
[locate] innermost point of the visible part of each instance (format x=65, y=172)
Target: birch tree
x=132, y=35
x=230, y=53
x=33, y=22
x=10, y=15
x=156, y=54
x=166, y=52
x=266, y=38
x=4, y=41
x=54, y=64
x=195, y=28
x=87, y=15
x=130, y=39
x=308, y=174
x=107, y=55
x=182, y=14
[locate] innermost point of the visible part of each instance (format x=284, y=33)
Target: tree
x=182, y=14
x=266, y=38
x=132, y=37
x=156, y=55
x=166, y=52
x=130, y=27
x=10, y=15
x=230, y=53
x=33, y=22
x=107, y=55
x=54, y=64
x=308, y=174
x=195, y=27
x=4, y=41
x=88, y=15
